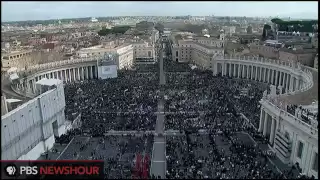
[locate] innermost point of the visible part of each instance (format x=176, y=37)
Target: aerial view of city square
x=159, y=90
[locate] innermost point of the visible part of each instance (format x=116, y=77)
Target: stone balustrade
x=271, y=102
x=289, y=64
x=56, y=64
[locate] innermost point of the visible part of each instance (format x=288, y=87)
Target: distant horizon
x=159, y=16
x=32, y=11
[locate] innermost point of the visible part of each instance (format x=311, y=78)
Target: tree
x=266, y=29
x=159, y=27
x=114, y=30
x=144, y=25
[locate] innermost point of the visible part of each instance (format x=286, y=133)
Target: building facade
x=30, y=129
x=144, y=52
x=124, y=53
x=303, y=56
x=15, y=58
x=199, y=50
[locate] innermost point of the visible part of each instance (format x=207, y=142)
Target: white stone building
x=200, y=50
x=129, y=50
x=124, y=53
x=30, y=129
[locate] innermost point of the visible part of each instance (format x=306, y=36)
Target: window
x=315, y=162
x=300, y=149
x=176, y=53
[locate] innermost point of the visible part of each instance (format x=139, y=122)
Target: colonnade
x=276, y=77
x=268, y=125
x=67, y=75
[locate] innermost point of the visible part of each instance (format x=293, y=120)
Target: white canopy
x=12, y=100
x=48, y=82
x=14, y=76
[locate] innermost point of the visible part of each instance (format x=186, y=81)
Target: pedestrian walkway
x=158, y=163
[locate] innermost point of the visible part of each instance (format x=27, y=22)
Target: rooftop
x=307, y=97
x=298, y=51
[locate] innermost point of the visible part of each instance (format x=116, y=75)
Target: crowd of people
x=305, y=114
x=198, y=102
x=117, y=151
x=201, y=92
x=127, y=102
x=206, y=109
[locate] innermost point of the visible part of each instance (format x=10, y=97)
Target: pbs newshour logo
x=11, y=170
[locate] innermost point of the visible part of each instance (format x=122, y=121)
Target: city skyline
x=24, y=11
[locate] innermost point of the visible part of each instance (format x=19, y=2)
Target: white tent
x=48, y=82
x=14, y=76
x=12, y=100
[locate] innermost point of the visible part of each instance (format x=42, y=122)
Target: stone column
x=287, y=85
x=273, y=128
x=234, y=70
x=297, y=84
x=239, y=70
x=260, y=74
x=79, y=77
x=96, y=71
x=261, y=123
x=243, y=71
x=291, y=84
x=27, y=86
x=65, y=75
x=91, y=74
x=82, y=74
x=34, y=86
x=283, y=79
x=265, y=125
x=256, y=73
x=248, y=71
x=74, y=74
x=222, y=69
x=268, y=75
x=272, y=76
x=280, y=78
x=252, y=71
x=70, y=76
x=230, y=70
x=277, y=75
x=87, y=72
x=215, y=69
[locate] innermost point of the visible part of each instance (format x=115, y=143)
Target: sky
x=20, y=11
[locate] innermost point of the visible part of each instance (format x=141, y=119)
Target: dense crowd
x=118, y=152
x=213, y=142
x=124, y=103
x=305, y=114
x=172, y=66
x=214, y=139
x=201, y=92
